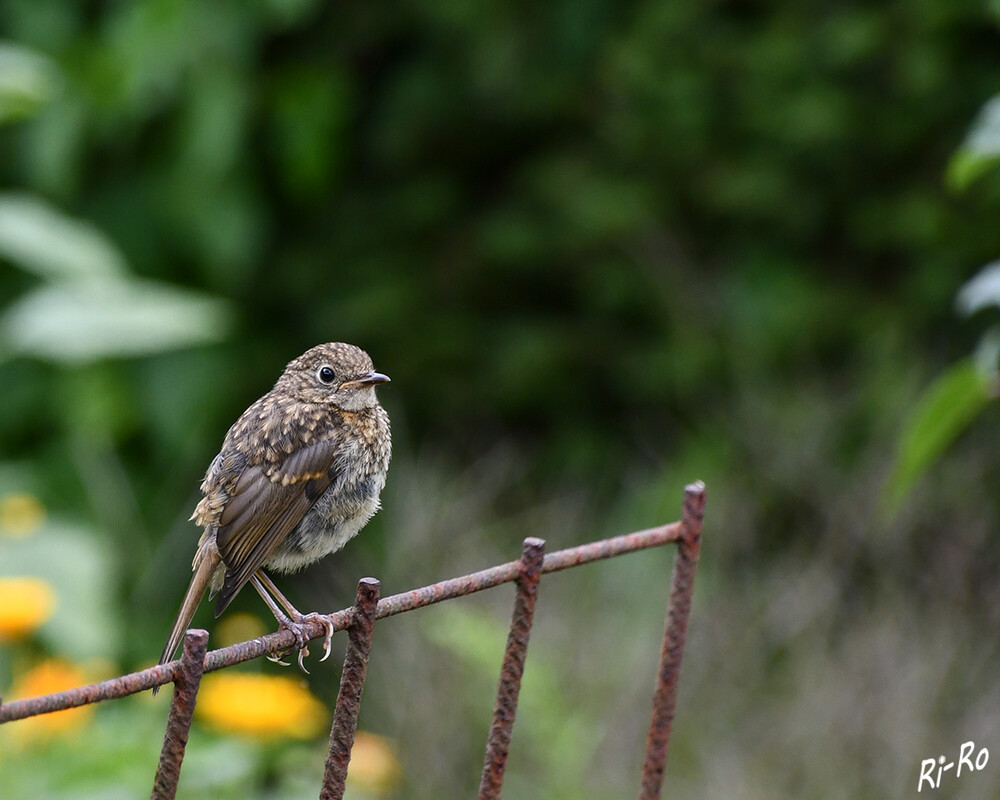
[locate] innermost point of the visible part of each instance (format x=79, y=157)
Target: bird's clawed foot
x=325, y=621
x=297, y=626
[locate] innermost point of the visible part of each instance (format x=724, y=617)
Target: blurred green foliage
x=964, y=389
x=601, y=249
x=947, y=408
x=624, y=207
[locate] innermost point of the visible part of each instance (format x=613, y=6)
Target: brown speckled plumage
x=298, y=475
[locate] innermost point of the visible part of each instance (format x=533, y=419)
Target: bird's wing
x=264, y=506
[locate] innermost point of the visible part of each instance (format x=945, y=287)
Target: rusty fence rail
x=359, y=620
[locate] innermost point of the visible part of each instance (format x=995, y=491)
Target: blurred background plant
x=602, y=249
x=963, y=390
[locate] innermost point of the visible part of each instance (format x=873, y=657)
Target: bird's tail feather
x=205, y=566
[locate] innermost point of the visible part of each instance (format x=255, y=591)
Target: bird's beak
x=371, y=379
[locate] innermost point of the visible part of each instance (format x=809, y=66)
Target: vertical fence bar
x=678, y=611
x=498, y=742
x=175, y=737
x=352, y=682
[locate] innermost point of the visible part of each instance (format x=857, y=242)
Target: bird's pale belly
x=327, y=526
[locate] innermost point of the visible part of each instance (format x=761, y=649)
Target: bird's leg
x=294, y=619
x=279, y=615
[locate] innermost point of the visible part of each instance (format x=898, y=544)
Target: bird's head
x=336, y=373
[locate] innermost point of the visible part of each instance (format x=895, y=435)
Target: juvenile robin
x=299, y=474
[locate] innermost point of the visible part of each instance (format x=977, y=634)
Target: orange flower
x=25, y=605
x=46, y=677
x=261, y=706
x=374, y=767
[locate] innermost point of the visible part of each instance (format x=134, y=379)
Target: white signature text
x=933, y=770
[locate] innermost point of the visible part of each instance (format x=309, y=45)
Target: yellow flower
x=20, y=514
x=25, y=605
x=262, y=706
x=374, y=767
x=46, y=677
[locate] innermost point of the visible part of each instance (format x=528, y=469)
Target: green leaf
x=73, y=323
x=946, y=409
x=966, y=167
x=28, y=80
x=980, y=151
x=40, y=239
x=980, y=291
x=984, y=136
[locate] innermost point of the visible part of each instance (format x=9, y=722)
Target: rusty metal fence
x=359, y=621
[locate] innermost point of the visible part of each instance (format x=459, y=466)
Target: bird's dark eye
x=325, y=374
